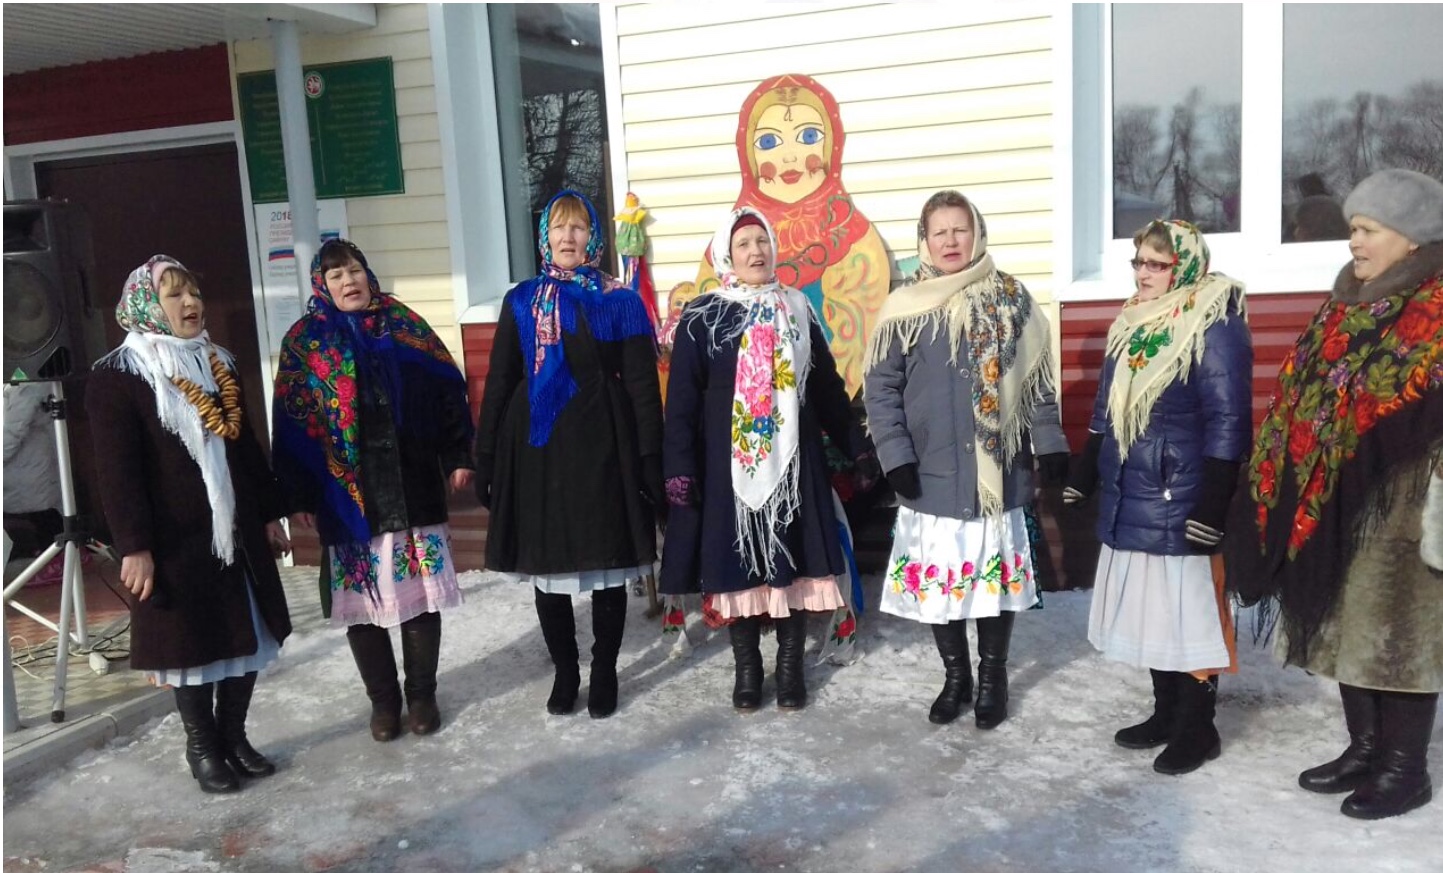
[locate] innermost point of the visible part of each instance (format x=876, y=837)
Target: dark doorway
x=185, y=203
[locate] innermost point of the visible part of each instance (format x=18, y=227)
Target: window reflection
x=1177, y=116
x=1360, y=94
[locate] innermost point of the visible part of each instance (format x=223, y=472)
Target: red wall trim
x=165, y=89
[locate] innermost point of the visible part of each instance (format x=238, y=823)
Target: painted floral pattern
x=354, y=567
x=764, y=369
x=996, y=576
x=1354, y=365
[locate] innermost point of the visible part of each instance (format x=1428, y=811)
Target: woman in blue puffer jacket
x=1170, y=427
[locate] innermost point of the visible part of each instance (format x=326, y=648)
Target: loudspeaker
x=53, y=328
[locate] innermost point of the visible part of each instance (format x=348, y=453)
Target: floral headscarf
x=1157, y=341
x=326, y=358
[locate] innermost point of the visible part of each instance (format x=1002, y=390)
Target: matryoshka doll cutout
x=789, y=145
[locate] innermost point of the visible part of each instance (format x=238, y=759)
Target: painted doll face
x=349, y=285
x=789, y=147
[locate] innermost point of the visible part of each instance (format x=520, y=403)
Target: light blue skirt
x=267, y=650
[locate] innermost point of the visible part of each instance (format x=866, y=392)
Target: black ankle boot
x=420, y=655
x=608, y=622
x=1349, y=770
x=1155, y=730
x=232, y=703
x=1398, y=781
x=791, y=643
x=994, y=638
x=746, y=636
x=558, y=628
x=957, y=667
x=1194, y=738
x=376, y=661
x=196, y=704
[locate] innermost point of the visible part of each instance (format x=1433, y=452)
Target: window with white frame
x=1253, y=120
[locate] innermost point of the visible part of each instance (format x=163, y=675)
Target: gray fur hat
x=1407, y=201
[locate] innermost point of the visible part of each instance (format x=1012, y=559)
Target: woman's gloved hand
x=1082, y=480
x=866, y=472
x=905, y=481
x=1206, y=522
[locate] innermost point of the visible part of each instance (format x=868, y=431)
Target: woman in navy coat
x=1170, y=427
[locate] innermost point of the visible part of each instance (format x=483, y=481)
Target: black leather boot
x=376, y=661
x=558, y=627
x=420, y=653
x=1194, y=739
x=994, y=638
x=957, y=666
x=746, y=634
x=608, y=622
x=1349, y=770
x=1155, y=730
x=196, y=704
x=232, y=702
x=791, y=643
x=1398, y=781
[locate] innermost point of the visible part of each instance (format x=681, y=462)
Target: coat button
x=969, y=448
x=965, y=374
x=388, y=444
x=966, y=515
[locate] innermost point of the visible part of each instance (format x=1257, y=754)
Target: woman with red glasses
x=1171, y=424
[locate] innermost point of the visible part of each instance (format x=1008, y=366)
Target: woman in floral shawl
x=194, y=511
x=371, y=423
x=960, y=400
x=1170, y=427
x=569, y=447
x=1333, y=513
x=752, y=520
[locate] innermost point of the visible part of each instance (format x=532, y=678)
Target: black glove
x=1053, y=467
x=866, y=472
x=652, y=486
x=905, y=481
x=1082, y=480
x=485, y=465
x=1206, y=522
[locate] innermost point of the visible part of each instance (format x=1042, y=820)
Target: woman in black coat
x=192, y=508
x=371, y=423
x=753, y=522
x=569, y=446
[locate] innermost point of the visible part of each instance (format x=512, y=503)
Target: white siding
x=932, y=96
x=404, y=235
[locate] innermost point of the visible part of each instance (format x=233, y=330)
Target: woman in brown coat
x=192, y=508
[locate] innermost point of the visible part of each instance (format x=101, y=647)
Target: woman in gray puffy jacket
x=959, y=390
x=1171, y=424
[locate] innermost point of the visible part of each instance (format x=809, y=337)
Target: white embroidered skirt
x=581, y=581
x=946, y=569
x=394, y=578
x=1157, y=611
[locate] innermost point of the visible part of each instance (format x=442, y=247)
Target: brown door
x=185, y=203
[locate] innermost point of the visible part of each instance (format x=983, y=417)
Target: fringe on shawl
x=758, y=530
x=156, y=362
x=1128, y=424
x=1036, y=385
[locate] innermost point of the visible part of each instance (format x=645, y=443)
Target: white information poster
x=278, y=260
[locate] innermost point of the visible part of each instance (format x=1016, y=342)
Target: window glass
x=1176, y=115
x=1361, y=93
x=551, y=108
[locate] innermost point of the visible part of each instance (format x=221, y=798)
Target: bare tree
x=564, y=141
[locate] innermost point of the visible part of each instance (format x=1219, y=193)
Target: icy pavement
x=677, y=781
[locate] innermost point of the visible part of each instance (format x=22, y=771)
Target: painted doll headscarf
x=326, y=359
x=774, y=354
x=1156, y=342
x=546, y=306
x=1009, y=348
x=187, y=376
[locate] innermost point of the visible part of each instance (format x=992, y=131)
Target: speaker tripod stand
x=72, y=538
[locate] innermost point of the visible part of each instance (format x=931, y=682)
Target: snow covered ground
x=677, y=781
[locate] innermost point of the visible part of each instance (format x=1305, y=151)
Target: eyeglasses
x=1150, y=266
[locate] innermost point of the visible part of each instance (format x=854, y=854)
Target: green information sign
x=355, y=140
